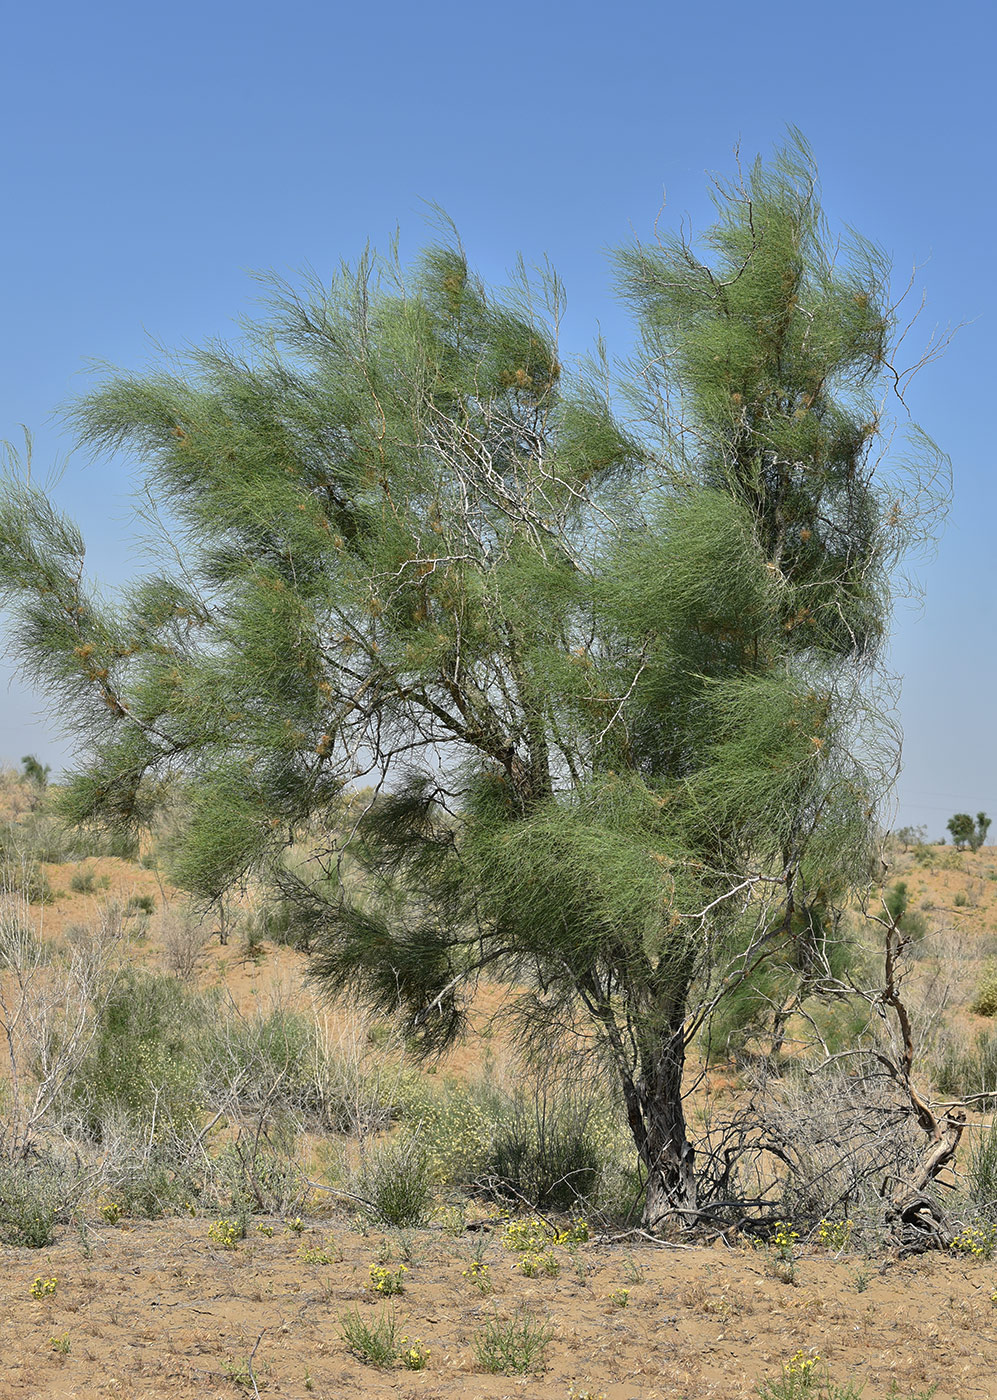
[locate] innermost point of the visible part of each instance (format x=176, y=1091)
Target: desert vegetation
x=212, y=1119
x=471, y=877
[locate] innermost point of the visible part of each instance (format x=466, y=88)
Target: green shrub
x=93, y=841
x=22, y=875
x=396, y=1178
x=282, y=922
x=516, y=1346
x=981, y=1172
x=157, y=1183
x=984, y=1003
x=544, y=1148
x=144, y=1064
x=141, y=904
x=31, y=1202
x=375, y=1343
x=84, y=882
x=269, y=1062
x=261, y=1175
x=968, y=1071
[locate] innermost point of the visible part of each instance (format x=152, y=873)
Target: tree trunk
x=667, y=1153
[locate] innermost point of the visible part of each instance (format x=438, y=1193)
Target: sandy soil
x=156, y=1309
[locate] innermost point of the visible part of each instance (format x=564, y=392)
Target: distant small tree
x=967, y=832
x=34, y=771
x=911, y=836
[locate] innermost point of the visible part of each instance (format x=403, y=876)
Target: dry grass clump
x=183, y=935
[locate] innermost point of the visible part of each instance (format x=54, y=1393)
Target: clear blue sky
x=154, y=155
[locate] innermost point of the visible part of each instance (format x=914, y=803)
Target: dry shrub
x=984, y=1003
x=51, y=1001
x=183, y=935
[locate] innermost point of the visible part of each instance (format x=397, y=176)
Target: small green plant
x=296, y=1225
x=83, y=882
x=238, y=1373
x=375, y=1343
x=27, y=1216
x=141, y=904
x=861, y=1279
x=110, y=1211
x=783, y=1242
x=532, y=1265
x=397, y=1179
x=264, y=1229
x=804, y=1376
x=516, y=1346
x=586, y=1394
x=834, y=1234
x=528, y=1236
x=227, y=1233
x=61, y=1344
x=620, y=1297
x=414, y=1355
x=319, y=1255
x=479, y=1275
x=984, y=1003
x=634, y=1272
x=976, y=1240
x=44, y=1287
x=386, y=1281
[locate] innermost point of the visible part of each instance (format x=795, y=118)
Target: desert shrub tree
x=602, y=648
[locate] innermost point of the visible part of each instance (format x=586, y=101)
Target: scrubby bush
x=152, y=1182
x=538, y=1140
x=546, y=1148
x=144, y=1064
x=86, y=882
x=32, y=1199
x=261, y=1174
x=183, y=934
x=273, y=1058
x=962, y=1071
x=396, y=1179
x=984, y=1003
x=20, y=870
x=981, y=1172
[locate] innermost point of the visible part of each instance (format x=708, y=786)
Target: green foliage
x=396, y=1178
x=143, y=1064
x=86, y=882
x=981, y=1172
x=552, y=1143
x=261, y=1172
x=971, y=1071
x=515, y=1346
x=967, y=832
x=548, y=1144
x=31, y=1202
x=375, y=1342
x=612, y=679
x=34, y=771
x=806, y=1375
x=984, y=1002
